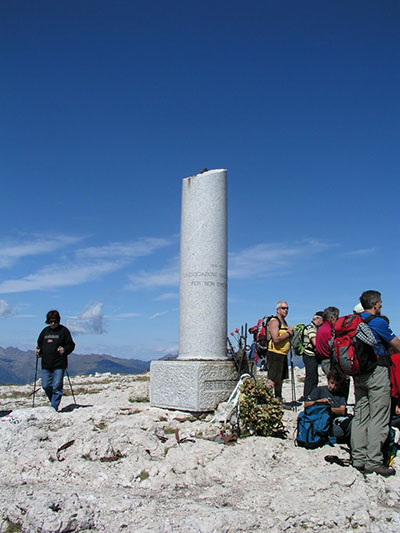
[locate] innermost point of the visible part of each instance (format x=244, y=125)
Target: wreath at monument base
x=260, y=412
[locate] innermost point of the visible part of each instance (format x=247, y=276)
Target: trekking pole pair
x=34, y=383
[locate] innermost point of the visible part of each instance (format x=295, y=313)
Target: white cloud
x=172, y=349
x=54, y=276
x=11, y=251
x=156, y=315
x=127, y=315
x=360, y=252
x=256, y=261
x=164, y=350
x=86, y=264
x=166, y=296
x=5, y=309
x=90, y=321
x=129, y=250
x=165, y=277
x=264, y=259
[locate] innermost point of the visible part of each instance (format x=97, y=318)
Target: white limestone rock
x=126, y=471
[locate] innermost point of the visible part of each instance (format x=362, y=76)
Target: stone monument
x=202, y=376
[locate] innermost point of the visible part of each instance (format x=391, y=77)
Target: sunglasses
x=53, y=321
x=285, y=308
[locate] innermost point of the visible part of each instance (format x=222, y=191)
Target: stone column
x=203, y=267
x=202, y=376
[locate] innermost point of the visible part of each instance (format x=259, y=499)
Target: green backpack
x=389, y=448
x=298, y=339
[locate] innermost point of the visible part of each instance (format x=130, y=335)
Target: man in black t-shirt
x=53, y=346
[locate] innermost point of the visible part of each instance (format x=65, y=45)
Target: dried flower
x=260, y=412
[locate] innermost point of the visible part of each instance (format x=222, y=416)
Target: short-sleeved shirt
x=323, y=392
x=383, y=335
x=324, y=335
x=310, y=332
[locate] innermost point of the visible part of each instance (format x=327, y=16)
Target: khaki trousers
x=370, y=425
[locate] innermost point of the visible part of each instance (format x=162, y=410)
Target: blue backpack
x=313, y=426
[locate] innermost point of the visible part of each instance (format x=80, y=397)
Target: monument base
x=191, y=385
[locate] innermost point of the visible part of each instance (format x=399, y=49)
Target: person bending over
x=334, y=394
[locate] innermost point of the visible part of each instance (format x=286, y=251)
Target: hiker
x=53, y=346
x=395, y=388
x=394, y=383
x=309, y=357
x=279, y=347
x=334, y=394
x=324, y=335
x=370, y=426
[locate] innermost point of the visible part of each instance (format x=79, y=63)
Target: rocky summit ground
x=113, y=463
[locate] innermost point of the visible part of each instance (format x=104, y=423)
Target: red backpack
x=261, y=336
x=352, y=345
x=395, y=375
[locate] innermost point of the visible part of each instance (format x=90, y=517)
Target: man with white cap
x=358, y=309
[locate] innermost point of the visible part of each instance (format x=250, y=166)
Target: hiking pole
x=294, y=407
x=34, y=383
x=247, y=350
x=230, y=345
x=70, y=386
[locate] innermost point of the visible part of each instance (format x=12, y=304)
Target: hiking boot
x=381, y=470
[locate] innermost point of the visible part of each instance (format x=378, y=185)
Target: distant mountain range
x=18, y=367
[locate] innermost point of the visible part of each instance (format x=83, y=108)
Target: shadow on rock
x=5, y=413
x=72, y=407
x=291, y=405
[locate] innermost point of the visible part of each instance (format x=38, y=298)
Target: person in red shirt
x=395, y=388
x=324, y=335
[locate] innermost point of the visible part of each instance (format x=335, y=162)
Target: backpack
x=298, y=339
x=313, y=426
x=389, y=448
x=352, y=345
x=395, y=375
x=262, y=336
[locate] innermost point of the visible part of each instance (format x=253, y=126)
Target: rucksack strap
x=368, y=319
x=278, y=319
x=279, y=327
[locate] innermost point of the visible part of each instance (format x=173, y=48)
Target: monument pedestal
x=202, y=376
x=191, y=385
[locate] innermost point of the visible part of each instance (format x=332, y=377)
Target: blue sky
x=108, y=105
